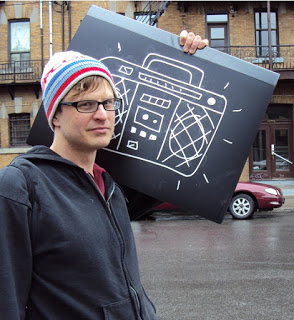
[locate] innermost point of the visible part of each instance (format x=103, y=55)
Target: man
x=66, y=243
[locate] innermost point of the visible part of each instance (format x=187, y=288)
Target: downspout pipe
x=50, y=28
x=69, y=22
x=41, y=34
x=269, y=35
x=62, y=24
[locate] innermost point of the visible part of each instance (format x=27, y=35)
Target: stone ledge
x=14, y=150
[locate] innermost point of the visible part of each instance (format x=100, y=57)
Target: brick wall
x=189, y=15
x=5, y=159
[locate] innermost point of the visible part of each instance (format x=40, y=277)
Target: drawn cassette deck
x=165, y=120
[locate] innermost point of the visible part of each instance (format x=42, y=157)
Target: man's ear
x=55, y=119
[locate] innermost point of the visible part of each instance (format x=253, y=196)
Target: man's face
x=85, y=131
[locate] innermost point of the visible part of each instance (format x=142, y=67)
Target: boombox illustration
x=166, y=117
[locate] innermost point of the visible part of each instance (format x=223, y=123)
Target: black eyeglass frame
x=75, y=104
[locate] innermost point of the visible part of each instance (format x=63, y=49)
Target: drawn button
x=132, y=144
x=211, y=101
x=152, y=137
x=143, y=134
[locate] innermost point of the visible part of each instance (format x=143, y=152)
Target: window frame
x=260, y=48
x=18, y=138
x=218, y=24
x=11, y=52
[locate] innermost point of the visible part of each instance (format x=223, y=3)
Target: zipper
x=137, y=300
x=119, y=237
x=94, y=184
x=131, y=287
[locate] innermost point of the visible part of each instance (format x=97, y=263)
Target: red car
x=248, y=198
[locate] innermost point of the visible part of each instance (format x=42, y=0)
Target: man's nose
x=100, y=112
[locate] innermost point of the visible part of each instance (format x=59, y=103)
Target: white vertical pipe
x=41, y=33
x=269, y=28
x=50, y=28
x=41, y=14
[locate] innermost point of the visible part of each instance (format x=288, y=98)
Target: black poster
x=187, y=122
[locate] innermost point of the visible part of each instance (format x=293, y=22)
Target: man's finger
x=183, y=37
x=189, y=42
x=195, y=44
x=204, y=43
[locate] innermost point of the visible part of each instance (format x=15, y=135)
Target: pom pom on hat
x=62, y=72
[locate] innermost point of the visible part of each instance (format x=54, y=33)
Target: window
x=259, y=151
x=261, y=33
x=278, y=112
x=20, y=44
x=217, y=29
x=19, y=125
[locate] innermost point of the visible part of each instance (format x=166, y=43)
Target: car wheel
x=242, y=206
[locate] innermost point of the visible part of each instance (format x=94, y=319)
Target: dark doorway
x=272, y=152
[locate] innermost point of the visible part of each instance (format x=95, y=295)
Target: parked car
x=248, y=198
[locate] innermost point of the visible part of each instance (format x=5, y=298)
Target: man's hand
x=191, y=42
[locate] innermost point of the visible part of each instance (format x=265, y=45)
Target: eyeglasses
x=90, y=106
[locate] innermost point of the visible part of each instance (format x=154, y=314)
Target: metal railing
x=18, y=71
x=282, y=56
x=282, y=59
x=152, y=12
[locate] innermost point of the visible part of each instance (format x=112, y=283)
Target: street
x=197, y=269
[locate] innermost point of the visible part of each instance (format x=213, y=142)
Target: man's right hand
x=191, y=42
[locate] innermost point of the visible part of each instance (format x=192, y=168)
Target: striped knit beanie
x=62, y=72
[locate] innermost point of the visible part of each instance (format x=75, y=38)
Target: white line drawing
x=226, y=85
x=227, y=141
x=142, y=116
x=237, y=110
x=132, y=144
x=179, y=183
x=204, y=175
x=167, y=118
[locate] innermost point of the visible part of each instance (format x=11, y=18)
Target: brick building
x=33, y=30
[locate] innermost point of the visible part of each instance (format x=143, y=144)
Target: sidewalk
x=289, y=202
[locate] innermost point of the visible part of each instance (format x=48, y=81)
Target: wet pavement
x=241, y=269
